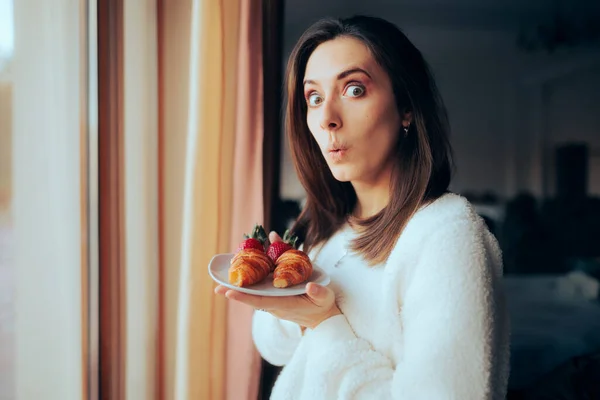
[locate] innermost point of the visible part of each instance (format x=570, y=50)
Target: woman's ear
x=407, y=118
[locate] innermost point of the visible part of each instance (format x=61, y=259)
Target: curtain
x=48, y=236
x=222, y=197
x=207, y=201
x=243, y=361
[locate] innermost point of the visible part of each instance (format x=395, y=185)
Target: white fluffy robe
x=429, y=324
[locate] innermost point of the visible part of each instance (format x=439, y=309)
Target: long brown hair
x=423, y=166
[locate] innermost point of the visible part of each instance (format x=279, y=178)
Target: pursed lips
x=337, y=152
x=337, y=147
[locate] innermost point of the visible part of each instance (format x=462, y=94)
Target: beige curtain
x=223, y=167
x=243, y=361
x=200, y=367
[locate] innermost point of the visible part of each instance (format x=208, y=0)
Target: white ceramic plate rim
x=218, y=270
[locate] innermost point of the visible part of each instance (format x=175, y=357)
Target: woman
x=414, y=309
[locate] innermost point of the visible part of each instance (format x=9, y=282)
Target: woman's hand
x=308, y=310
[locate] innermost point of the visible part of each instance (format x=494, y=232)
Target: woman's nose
x=330, y=119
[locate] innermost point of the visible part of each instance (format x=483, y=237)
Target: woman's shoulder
x=447, y=210
x=450, y=216
x=448, y=225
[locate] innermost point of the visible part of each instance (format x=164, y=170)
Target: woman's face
x=351, y=110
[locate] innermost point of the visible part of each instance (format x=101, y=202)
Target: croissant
x=293, y=267
x=248, y=267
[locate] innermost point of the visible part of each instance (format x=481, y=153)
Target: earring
x=406, y=130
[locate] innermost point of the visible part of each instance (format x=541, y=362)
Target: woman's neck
x=372, y=197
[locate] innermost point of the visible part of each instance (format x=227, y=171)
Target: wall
x=573, y=112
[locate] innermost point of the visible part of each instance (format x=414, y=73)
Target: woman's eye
x=314, y=100
x=355, y=91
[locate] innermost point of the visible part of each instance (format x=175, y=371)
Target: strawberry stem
x=290, y=238
x=258, y=233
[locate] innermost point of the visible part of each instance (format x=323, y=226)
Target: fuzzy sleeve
x=275, y=339
x=450, y=333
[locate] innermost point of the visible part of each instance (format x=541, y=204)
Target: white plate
x=218, y=270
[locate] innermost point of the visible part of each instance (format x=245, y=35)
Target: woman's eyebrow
x=351, y=71
x=342, y=75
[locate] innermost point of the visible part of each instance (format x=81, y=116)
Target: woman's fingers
x=321, y=296
x=221, y=289
x=266, y=302
x=258, y=302
x=274, y=237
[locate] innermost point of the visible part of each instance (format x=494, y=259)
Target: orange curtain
x=243, y=361
x=222, y=198
x=200, y=341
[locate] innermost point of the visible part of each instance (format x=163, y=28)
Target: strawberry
x=257, y=239
x=278, y=248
